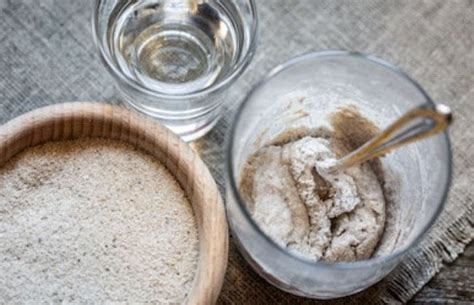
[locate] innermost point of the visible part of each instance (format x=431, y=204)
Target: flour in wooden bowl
x=94, y=221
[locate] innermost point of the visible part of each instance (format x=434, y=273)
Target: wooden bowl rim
x=75, y=120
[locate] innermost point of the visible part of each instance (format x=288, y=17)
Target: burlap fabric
x=47, y=56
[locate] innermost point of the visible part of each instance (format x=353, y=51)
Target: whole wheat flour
x=93, y=221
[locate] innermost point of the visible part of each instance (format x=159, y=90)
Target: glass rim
x=232, y=183
x=239, y=68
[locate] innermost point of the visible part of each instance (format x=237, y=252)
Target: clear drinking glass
x=317, y=84
x=174, y=59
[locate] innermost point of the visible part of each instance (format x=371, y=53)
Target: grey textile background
x=47, y=56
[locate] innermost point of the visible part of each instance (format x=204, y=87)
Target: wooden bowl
x=75, y=120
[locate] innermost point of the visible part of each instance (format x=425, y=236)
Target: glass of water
x=174, y=59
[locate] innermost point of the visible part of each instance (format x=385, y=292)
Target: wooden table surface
x=453, y=285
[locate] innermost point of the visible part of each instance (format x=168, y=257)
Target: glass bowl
x=317, y=84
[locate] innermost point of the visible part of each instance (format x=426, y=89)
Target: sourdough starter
x=332, y=217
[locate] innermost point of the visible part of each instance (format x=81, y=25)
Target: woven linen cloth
x=47, y=56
